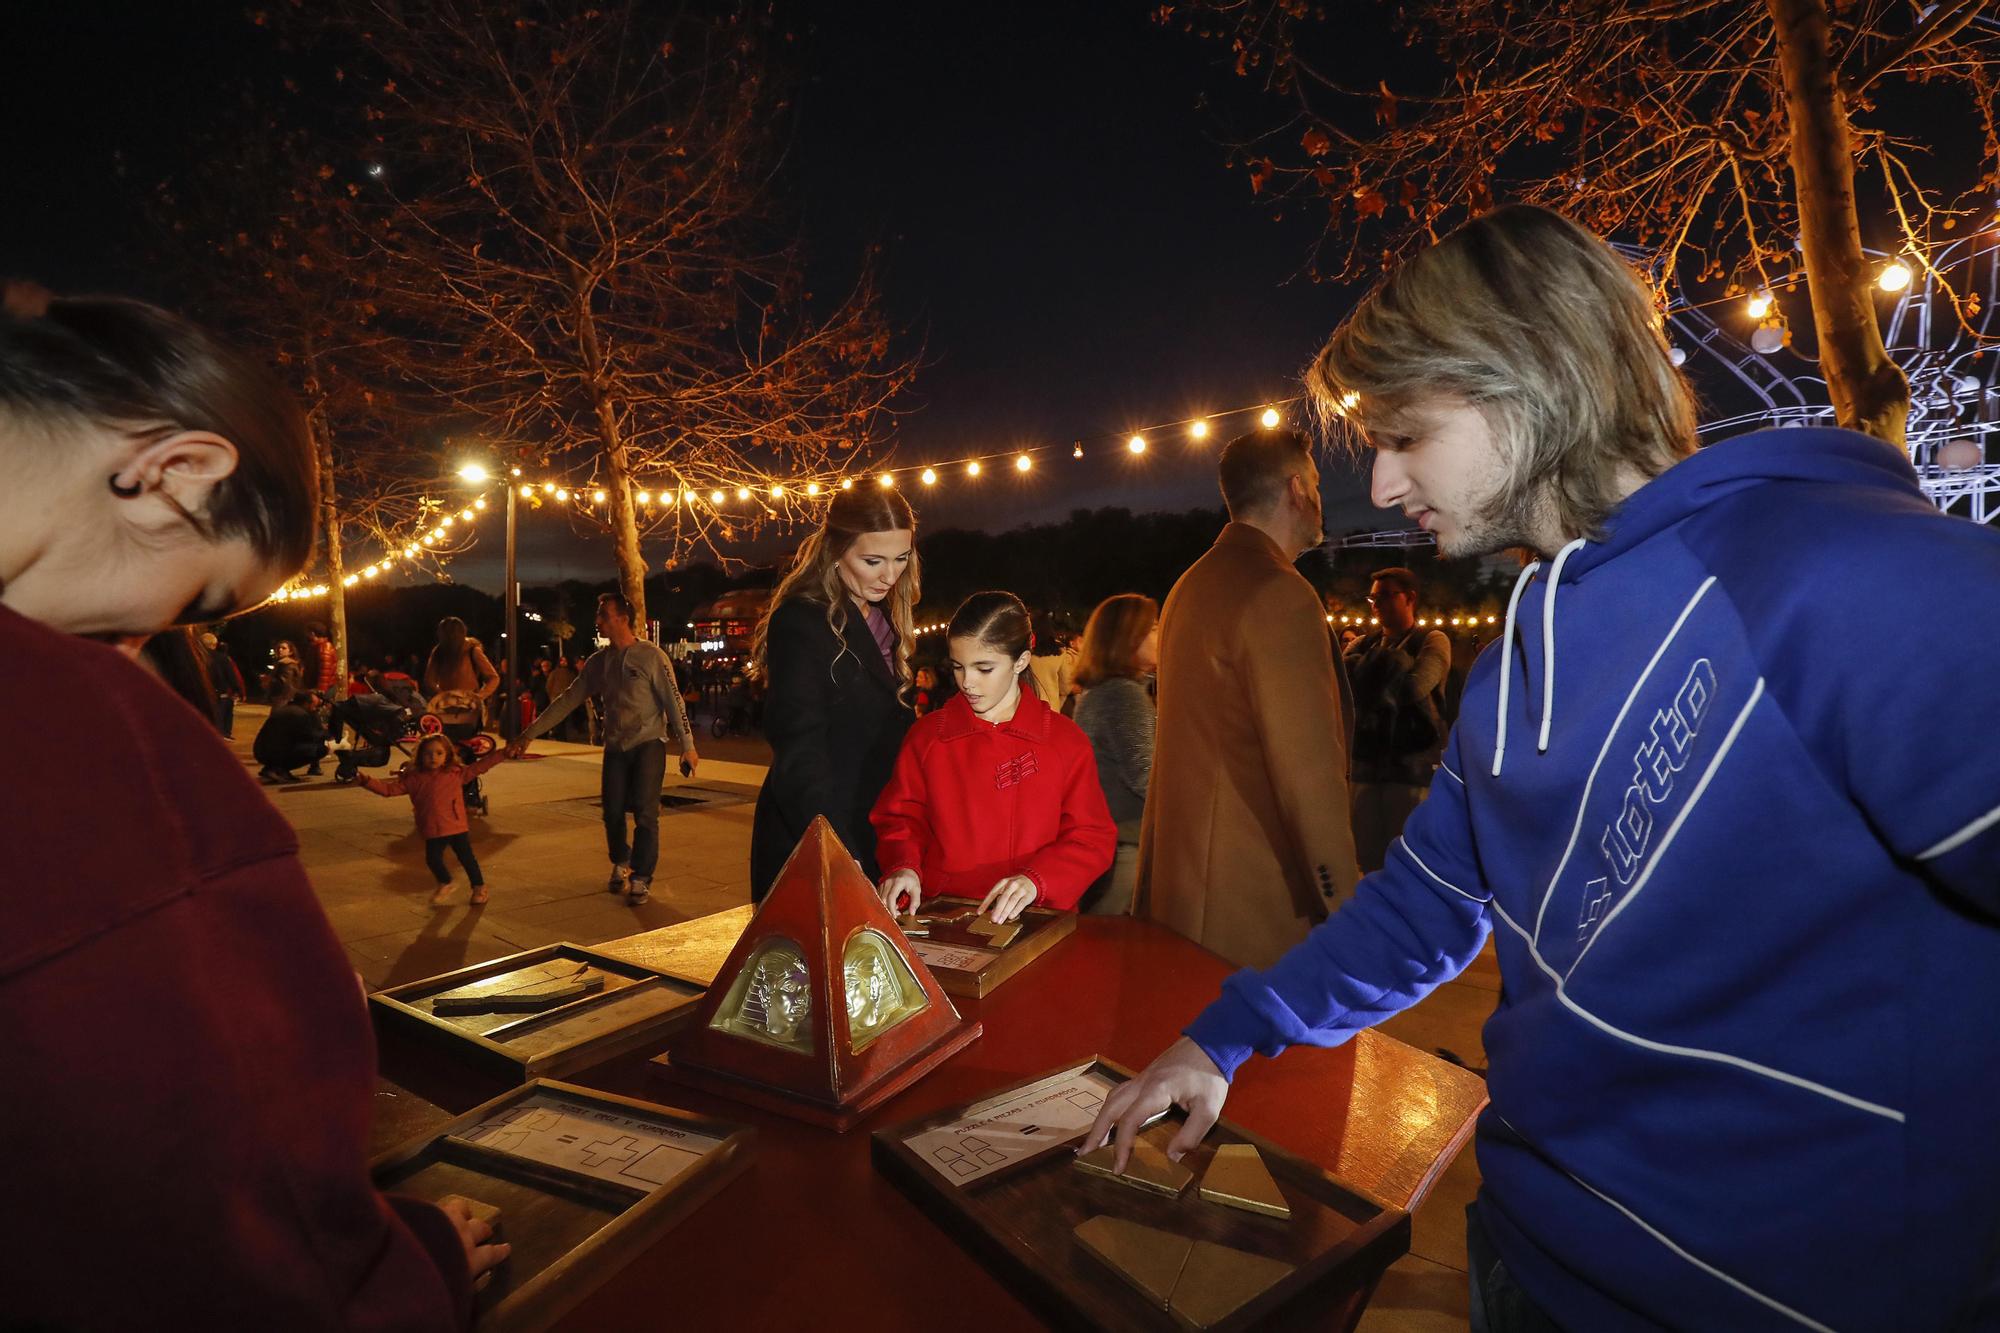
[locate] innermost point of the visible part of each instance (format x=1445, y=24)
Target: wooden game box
x=585, y=1181
x=999, y=1175
x=967, y=967
x=635, y=1006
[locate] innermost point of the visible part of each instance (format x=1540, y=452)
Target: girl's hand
x=1009, y=898
x=896, y=886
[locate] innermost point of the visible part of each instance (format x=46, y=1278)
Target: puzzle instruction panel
x=1001, y=1133
x=936, y=953
x=593, y=1141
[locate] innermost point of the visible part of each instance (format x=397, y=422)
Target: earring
x=124, y=492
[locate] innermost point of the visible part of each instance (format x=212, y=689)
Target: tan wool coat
x=1245, y=844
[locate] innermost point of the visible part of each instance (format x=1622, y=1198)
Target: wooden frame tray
x=576, y=1210
x=1013, y=1199
x=964, y=969
x=635, y=1006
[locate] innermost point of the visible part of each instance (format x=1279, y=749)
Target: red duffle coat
x=970, y=804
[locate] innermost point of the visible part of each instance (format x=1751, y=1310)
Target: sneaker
x=619, y=874
x=273, y=778
x=637, y=890
x=312, y=770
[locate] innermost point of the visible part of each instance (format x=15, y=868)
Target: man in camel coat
x=1246, y=843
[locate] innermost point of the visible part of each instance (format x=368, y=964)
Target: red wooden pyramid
x=822, y=1011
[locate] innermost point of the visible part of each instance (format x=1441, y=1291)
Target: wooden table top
x=813, y=1227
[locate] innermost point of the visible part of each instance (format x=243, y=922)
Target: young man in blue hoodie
x=1742, y=864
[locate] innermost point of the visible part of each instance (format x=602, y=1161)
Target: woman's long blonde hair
x=815, y=573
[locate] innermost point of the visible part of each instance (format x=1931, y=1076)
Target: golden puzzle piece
x=1148, y=1169
x=999, y=936
x=1199, y=1283
x=1238, y=1178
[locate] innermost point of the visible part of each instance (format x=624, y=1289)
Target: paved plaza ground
x=542, y=850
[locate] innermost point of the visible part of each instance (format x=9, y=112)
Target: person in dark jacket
x=226, y=680
x=292, y=735
x=834, y=649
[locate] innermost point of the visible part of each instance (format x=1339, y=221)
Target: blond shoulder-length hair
x=1112, y=637
x=1540, y=325
x=815, y=573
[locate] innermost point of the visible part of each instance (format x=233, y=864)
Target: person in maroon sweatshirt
x=186, y=1131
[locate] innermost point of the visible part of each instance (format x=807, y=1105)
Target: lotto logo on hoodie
x=1656, y=769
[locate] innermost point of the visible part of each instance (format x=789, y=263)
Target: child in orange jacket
x=994, y=796
x=435, y=785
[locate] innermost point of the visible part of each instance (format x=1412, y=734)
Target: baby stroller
x=456, y=715
x=379, y=723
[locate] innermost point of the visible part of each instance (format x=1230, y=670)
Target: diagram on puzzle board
x=593, y=1141
x=957, y=956
x=990, y=1137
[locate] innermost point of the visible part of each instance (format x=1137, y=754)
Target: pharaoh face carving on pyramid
x=881, y=992
x=771, y=1000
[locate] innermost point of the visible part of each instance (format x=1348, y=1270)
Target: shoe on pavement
x=272, y=777
x=442, y=896
x=637, y=890
x=312, y=770
x=619, y=874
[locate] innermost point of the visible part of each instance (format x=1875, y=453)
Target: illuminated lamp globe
x=1767, y=339
x=1137, y=444
x=1895, y=276
x=1968, y=384
x=972, y=468
x=715, y=497
x=1758, y=306
x=1270, y=418
x=847, y=483
x=1677, y=355
x=1023, y=463
x=812, y=488
x=1960, y=455
x=742, y=492
x=1199, y=430
x=473, y=473
x=929, y=477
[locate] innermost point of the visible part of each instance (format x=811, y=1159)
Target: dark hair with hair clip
x=995, y=620
x=135, y=368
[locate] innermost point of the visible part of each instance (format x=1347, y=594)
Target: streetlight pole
x=510, y=724
x=510, y=707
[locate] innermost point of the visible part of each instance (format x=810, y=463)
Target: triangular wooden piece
x=1217, y=1281
x=1146, y=1257
x=822, y=1010
x=1148, y=1169
x=1238, y=1178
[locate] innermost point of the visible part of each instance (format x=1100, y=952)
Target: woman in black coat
x=835, y=651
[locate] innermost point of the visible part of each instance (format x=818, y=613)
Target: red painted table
x=813, y=1230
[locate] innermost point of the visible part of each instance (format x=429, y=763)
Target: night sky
x=1050, y=190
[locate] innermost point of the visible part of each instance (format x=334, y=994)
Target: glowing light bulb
x=1137, y=444
x=1270, y=418
x=715, y=497
x=548, y=488
x=929, y=477
x=474, y=473
x=597, y=497
x=742, y=492
x=777, y=490
x=1758, y=306
x=885, y=481
x=812, y=488
x=1022, y=462
x=972, y=468
x=1199, y=430
x=371, y=571
x=527, y=491
x=1895, y=276
x=445, y=523
x=514, y=471
x=480, y=503
x=562, y=496
x=1077, y=452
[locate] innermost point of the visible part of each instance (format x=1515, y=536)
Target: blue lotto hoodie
x=1728, y=794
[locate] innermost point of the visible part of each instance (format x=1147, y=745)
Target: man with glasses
x=1398, y=673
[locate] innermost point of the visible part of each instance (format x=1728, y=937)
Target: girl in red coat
x=994, y=796
x=436, y=785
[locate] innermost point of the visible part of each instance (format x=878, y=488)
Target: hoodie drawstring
x=1548, y=652
x=1507, y=663
x=1549, y=643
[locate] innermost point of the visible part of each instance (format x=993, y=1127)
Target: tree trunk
x=618, y=465
x=1869, y=390
x=329, y=521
